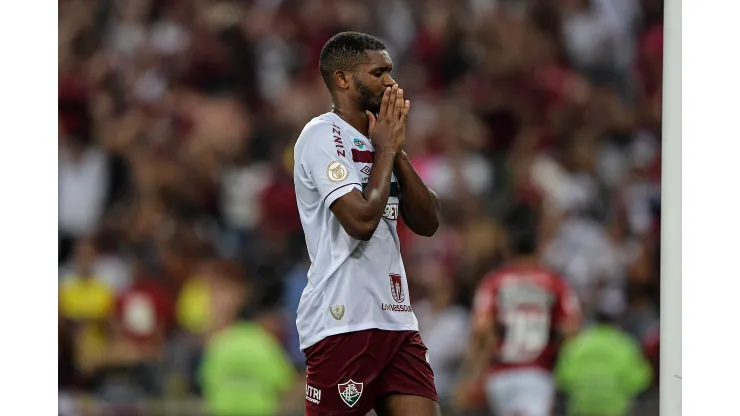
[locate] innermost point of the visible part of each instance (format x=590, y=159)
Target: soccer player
x=520, y=314
x=353, y=181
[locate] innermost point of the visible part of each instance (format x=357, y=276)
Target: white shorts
x=521, y=392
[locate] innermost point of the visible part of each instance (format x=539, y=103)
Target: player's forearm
x=476, y=361
x=569, y=329
x=377, y=191
x=420, y=206
x=480, y=350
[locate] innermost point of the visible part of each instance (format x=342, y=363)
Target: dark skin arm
x=481, y=350
x=420, y=206
x=360, y=212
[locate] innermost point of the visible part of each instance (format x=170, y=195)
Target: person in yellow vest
x=193, y=305
x=87, y=303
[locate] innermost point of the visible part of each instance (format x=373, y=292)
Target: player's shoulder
x=539, y=275
x=552, y=281
x=506, y=272
x=492, y=280
x=316, y=132
x=556, y=281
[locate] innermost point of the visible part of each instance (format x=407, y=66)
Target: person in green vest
x=244, y=371
x=602, y=370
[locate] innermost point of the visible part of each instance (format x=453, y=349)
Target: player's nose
x=388, y=81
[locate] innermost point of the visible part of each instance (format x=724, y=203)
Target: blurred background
x=177, y=214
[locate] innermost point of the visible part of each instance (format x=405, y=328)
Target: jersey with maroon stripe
x=352, y=285
x=528, y=304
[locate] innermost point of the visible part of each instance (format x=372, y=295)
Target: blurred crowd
x=179, y=235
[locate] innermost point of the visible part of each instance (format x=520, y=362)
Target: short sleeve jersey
x=352, y=285
x=528, y=304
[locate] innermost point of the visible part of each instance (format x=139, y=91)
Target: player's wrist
x=386, y=153
x=400, y=156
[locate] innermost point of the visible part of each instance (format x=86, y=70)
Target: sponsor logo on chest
x=397, y=288
x=364, y=158
x=399, y=295
x=395, y=308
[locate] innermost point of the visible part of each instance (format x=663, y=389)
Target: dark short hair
x=521, y=221
x=344, y=51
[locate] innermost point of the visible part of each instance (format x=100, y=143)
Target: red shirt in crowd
x=144, y=312
x=525, y=305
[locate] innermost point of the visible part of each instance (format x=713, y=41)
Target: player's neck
x=353, y=117
x=525, y=261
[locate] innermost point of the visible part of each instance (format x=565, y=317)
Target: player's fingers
x=384, y=102
x=405, y=111
x=370, y=120
x=392, y=101
x=399, y=105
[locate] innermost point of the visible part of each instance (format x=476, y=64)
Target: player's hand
x=388, y=129
x=461, y=402
x=467, y=396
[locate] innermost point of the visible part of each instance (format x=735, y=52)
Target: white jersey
x=352, y=285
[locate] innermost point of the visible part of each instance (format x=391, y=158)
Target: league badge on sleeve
x=336, y=172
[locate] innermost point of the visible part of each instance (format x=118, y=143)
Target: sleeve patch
x=337, y=172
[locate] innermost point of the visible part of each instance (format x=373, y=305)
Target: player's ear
x=341, y=78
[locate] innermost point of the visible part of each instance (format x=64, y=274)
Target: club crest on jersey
x=350, y=392
x=397, y=288
x=336, y=172
x=359, y=143
x=337, y=312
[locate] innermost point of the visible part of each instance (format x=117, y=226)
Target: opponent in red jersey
x=521, y=313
